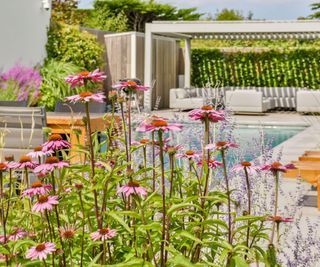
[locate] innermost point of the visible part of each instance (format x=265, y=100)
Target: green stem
x=275, y=205
x=153, y=164
x=96, y=208
x=249, y=203
x=163, y=241
x=225, y=174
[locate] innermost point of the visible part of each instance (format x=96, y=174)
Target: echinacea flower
x=41, y=251
x=246, y=165
x=45, y=202
x=279, y=219
x=25, y=162
x=9, y=158
x=17, y=234
x=190, y=155
x=221, y=145
x=130, y=86
x=37, y=188
x=172, y=150
x=277, y=167
x=3, y=166
x=37, y=152
x=84, y=97
x=103, y=234
x=67, y=233
x=55, y=142
x=133, y=187
x=50, y=164
x=82, y=78
x=206, y=113
x=212, y=164
x=142, y=142
x=159, y=125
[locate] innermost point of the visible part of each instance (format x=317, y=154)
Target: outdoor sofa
x=249, y=99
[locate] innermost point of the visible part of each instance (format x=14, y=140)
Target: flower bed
x=109, y=210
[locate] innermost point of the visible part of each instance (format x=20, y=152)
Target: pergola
x=233, y=30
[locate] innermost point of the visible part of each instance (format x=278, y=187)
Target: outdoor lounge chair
x=246, y=101
x=308, y=101
x=20, y=130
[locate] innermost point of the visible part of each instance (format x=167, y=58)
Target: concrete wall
x=23, y=34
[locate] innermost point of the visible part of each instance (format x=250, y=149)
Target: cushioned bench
x=308, y=101
x=246, y=101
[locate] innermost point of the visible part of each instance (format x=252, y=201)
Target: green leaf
x=119, y=220
x=181, y=206
x=237, y=261
x=189, y=236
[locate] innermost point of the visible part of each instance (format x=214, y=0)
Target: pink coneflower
x=45, y=202
x=24, y=162
x=67, y=189
x=207, y=112
x=130, y=86
x=54, y=143
x=221, y=145
x=50, y=164
x=67, y=233
x=83, y=77
x=159, y=125
x=3, y=166
x=86, y=97
x=103, y=234
x=41, y=251
x=17, y=234
x=37, y=152
x=246, y=165
x=37, y=188
x=133, y=187
x=78, y=186
x=279, y=219
x=277, y=167
x=170, y=149
x=189, y=154
x=212, y=164
x=142, y=142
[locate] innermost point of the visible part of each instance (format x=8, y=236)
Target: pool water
x=251, y=139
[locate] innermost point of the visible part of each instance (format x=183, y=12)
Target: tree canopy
x=316, y=8
x=230, y=14
x=136, y=13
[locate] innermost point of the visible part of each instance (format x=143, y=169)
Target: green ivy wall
x=287, y=68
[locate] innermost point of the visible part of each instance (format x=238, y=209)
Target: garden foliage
x=136, y=13
x=53, y=87
x=68, y=44
x=130, y=202
x=273, y=68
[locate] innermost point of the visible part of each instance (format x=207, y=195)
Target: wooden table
x=73, y=125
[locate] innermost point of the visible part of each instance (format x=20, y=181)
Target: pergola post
x=148, y=68
x=187, y=63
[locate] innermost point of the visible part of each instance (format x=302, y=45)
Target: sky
x=262, y=9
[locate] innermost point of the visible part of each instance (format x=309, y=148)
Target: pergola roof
x=297, y=29
x=236, y=30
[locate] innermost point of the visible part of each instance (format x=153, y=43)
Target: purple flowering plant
x=21, y=83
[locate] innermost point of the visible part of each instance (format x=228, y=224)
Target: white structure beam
x=148, y=67
x=187, y=63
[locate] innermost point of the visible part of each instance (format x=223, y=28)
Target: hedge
x=290, y=68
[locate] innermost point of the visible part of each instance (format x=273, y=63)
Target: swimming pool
x=252, y=139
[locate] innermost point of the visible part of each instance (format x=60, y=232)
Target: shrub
x=53, y=85
x=68, y=44
x=20, y=83
x=292, y=68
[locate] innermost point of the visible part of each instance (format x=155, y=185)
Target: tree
x=65, y=11
x=137, y=13
x=316, y=7
x=229, y=14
